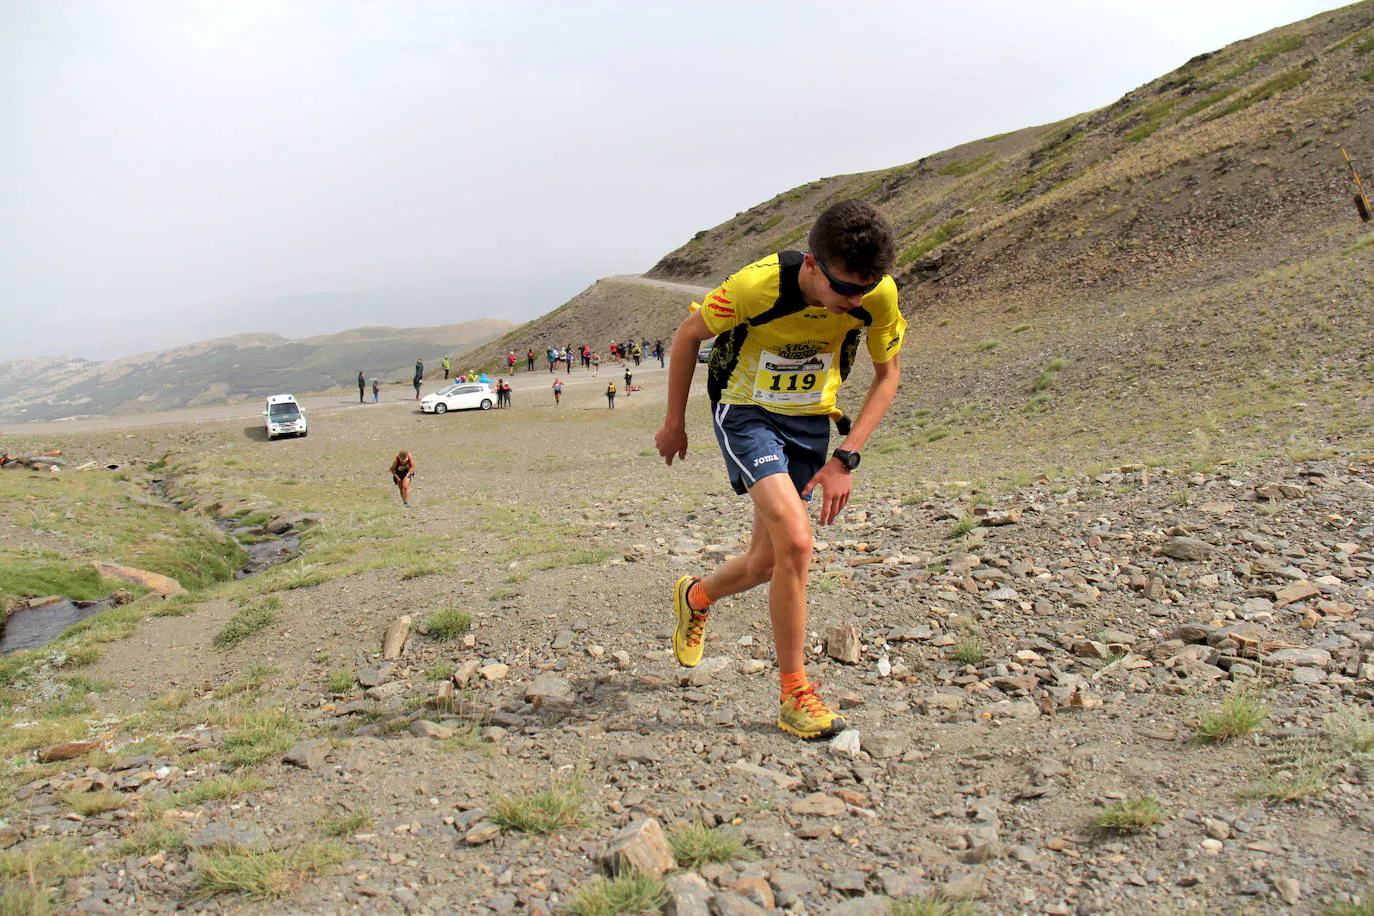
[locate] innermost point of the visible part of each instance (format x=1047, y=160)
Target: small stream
x=36, y=626
x=32, y=627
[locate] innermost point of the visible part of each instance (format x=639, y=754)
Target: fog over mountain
x=179, y=171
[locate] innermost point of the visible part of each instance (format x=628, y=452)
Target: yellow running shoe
x=804, y=714
x=689, y=636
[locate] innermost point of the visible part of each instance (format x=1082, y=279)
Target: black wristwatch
x=849, y=459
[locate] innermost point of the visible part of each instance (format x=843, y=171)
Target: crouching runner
x=787, y=331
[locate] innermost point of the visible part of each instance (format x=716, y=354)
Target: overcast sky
x=174, y=170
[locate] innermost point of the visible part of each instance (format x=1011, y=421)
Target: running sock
x=697, y=599
x=793, y=681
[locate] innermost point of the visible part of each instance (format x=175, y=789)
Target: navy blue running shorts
x=758, y=442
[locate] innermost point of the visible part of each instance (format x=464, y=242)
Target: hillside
x=1181, y=267
x=226, y=369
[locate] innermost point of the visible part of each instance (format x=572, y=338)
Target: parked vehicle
x=282, y=415
x=704, y=353
x=463, y=396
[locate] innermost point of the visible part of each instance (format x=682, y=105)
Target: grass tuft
x=963, y=526
x=633, y=892
x=259, y=735
x=1241, y=714
x=87, y=804
x=695, y=844
x=1131, y=816
x=449, y=624
x=250, y=682
x=345, y=825
x=969, y=651
x=245, y=622
x=932, y=906
x=152, y=838
x=341, y=681
x=559, y=807
x=265, y=875
x=216, y=788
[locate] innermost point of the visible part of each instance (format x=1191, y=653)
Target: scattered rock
x=639, y=846
x=842, y=644
x=396, y=636
x=1186, y=548
x=309, y=755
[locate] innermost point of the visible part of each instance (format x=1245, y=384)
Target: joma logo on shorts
x=764, y=459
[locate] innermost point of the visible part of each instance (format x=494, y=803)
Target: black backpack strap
x=790, y=300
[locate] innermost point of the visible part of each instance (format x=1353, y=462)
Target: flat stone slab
x=309, y=755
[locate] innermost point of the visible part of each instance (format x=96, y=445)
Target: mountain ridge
x=236, y=367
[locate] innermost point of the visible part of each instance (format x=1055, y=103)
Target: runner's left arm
x=886, y=379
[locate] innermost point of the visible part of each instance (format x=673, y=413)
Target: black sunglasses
x=844, y=287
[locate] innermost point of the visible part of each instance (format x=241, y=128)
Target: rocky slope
x=1009, y=679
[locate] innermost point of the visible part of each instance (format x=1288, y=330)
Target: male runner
x=789, y=328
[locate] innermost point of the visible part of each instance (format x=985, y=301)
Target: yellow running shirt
x=774, y=351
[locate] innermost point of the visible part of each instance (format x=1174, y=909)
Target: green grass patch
x=1131, y=816
x=216, y=788
x=987, y=346
x=245, y=622
x=259, y=735
x=1047, y=377
x=341, y=681
x=969, y=651
x=959, y=168
x=632, y=892
x=420, y=570
x=696, y=844
x=931, y=241
x=932, y=906
x=1209, y=101
x=1368, y=77
x=562, y=806
x=448, y=624
x=265, y=875
x=90, y=803
x=1266, y=53
x=1239, y=715
x=1290, y=80
x=250, y=682
x=1364, y=908
x=1298, y=768
x=29, y=874
x=345, y=825
x=1154, y=118
x=963, y=526
x=785, y=241
x=152, y=838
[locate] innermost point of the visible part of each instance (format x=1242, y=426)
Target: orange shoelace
x=695, y=628
x=807, y=697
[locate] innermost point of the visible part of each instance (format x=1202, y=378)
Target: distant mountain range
x=227, y=369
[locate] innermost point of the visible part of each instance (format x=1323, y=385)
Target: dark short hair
x=853, y=235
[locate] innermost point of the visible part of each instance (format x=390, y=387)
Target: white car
x=283, y=416
x=463, y=396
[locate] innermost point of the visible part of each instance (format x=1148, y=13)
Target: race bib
x=791, y=381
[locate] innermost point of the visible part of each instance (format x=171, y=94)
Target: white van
x=283, y=416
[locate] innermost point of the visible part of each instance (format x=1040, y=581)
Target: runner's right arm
x=671, y=439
